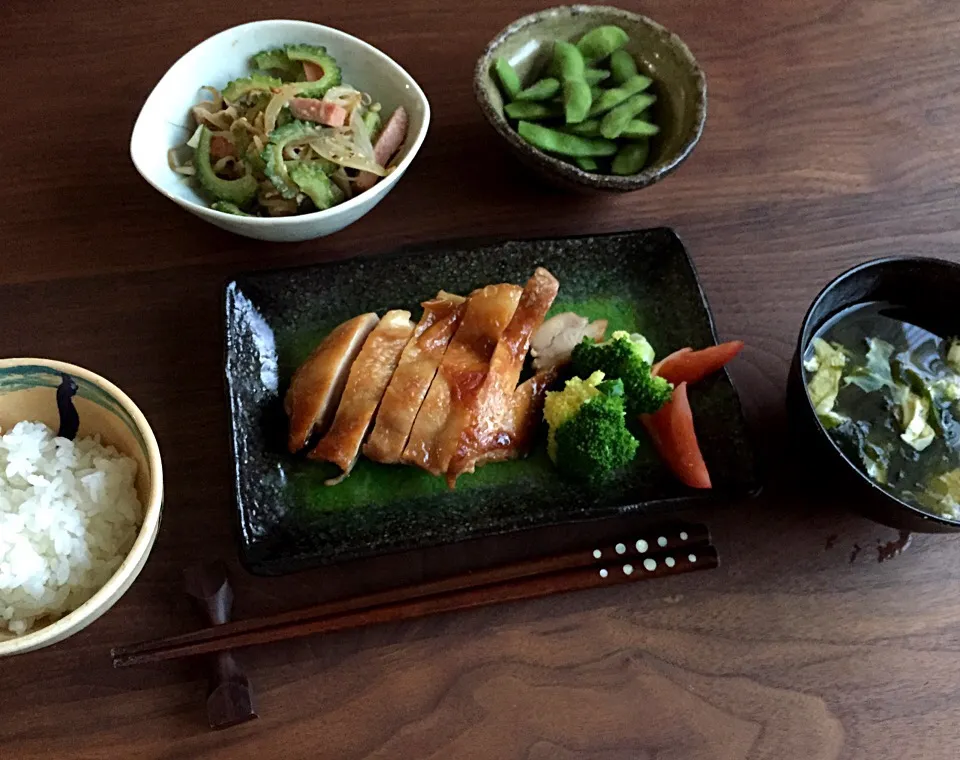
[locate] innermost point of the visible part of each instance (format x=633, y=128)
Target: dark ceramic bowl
x=679, y=84
x=925, y=287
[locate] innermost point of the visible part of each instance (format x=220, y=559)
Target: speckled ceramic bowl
x=679, y=84
x=28, y=391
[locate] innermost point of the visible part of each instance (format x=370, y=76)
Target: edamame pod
x=617, y=119
x=586, y=163
x=568, y=63
x=595, y=76
x=577, y=99
x=612, y=98
x=509, y=81
x=631, y=158
x=598, y=43
x=555, y=141
x=622, y=66
x=639, y=128
x=589, y=128
x=542, y=90
x=527, y=109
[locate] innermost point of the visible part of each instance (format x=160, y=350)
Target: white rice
x=69, y=514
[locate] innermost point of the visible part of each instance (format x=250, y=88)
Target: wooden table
x=833, y=137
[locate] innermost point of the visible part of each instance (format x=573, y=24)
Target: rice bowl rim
x=111, y=591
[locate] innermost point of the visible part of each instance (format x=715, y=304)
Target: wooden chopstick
x=667, y=551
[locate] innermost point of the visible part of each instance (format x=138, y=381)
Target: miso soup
x=887, y=390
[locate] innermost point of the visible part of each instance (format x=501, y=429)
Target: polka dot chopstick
x=650, y=553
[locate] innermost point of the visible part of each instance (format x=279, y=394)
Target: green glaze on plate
x=289, y=519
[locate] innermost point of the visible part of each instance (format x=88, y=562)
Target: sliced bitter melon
x=237, y=191
x=317, y=56
x=314, y=182
x=279, y=62
x=281, y=137
x=255, y=83
x=228, y=208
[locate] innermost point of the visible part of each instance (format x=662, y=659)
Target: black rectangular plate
x=641, y=281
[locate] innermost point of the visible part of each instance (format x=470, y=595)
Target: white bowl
x=28, y=389
x=164, y=121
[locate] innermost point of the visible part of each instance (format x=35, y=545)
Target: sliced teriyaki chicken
x=480, y=419
x=554, y=342
x=410, y=382
x=318, y=383
x=368, y=379
x=519, y=422
x=486, y=314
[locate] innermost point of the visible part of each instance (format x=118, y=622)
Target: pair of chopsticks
x=657, y=553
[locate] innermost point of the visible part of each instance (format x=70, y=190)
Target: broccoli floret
x=627, y=357
x=588, y=436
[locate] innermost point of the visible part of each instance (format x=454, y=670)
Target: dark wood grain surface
x=833, y=137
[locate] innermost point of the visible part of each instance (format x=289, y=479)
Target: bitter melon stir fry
x=289, y=139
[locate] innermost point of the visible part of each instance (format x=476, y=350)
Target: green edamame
x=622, y=66
x=598, y=43
x=612, y=98
x=588, y=128
x=568, y=63
x=531, y=110
x=639, y=128
x=568, y=114
x=555, y=141
x=631, y=158
x=595, y=76
x=577, y=99
x=617, y=119
x=542, y=90
x=509, y=81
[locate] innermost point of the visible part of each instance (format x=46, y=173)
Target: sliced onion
x=194, y=140
x=217, y=96
x=361, y=136
x=281, y=98
x=346, y=156
x=344, y=96
x=218, y=119
x=341, y=180
x=273, y=203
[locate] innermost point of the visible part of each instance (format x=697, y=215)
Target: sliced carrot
x=312, y=71
x=671, y=429
x=689, y=366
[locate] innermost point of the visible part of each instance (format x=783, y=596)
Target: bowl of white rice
x=81, y=492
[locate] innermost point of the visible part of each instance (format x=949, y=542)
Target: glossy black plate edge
x=251, y=554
